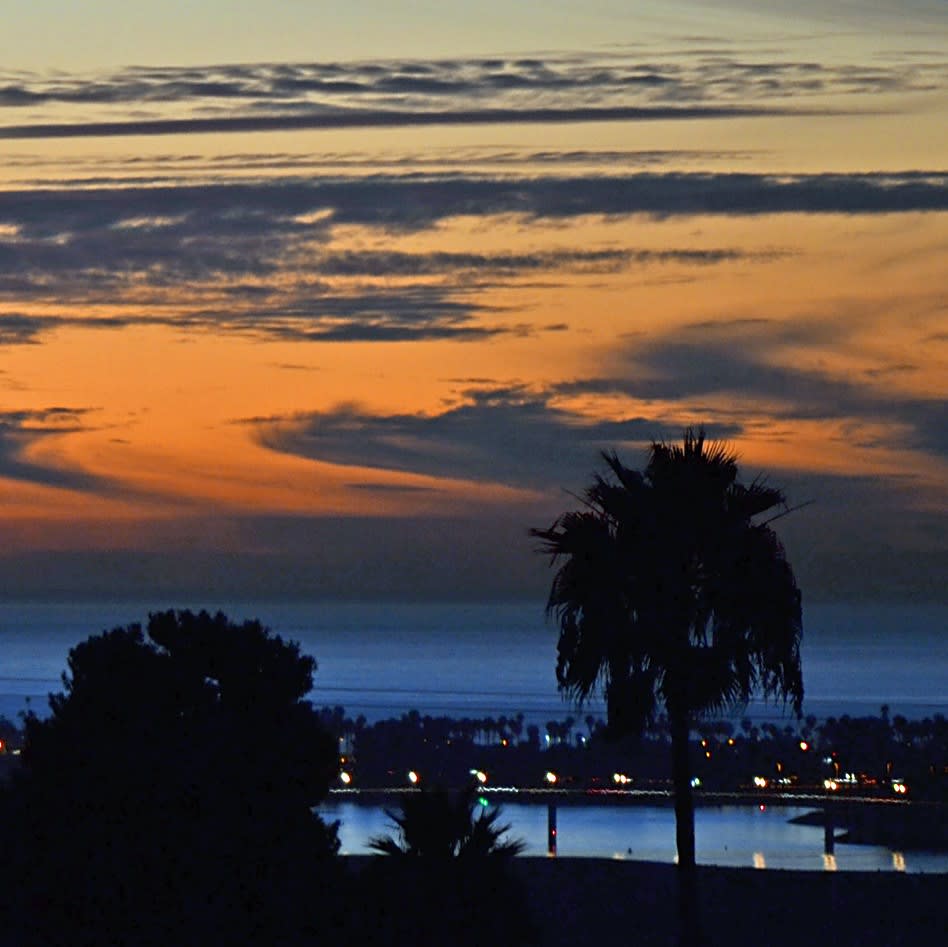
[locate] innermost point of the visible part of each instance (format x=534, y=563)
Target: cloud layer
x=234, y=304
x=684, y=82
x=262, y=257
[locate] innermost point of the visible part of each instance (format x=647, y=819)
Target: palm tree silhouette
x=437, y=823
x=671, y=593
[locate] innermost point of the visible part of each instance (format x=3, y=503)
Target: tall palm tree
x=672, y=593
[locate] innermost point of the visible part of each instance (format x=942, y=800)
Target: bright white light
x=413, y=777
x=345, y=778
x=695, y=782
x=760, y=782
x=550, y=778
x=479, y=775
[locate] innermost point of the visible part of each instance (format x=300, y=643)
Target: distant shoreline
x=912, y=829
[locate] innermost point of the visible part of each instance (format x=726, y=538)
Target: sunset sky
x=339, y=302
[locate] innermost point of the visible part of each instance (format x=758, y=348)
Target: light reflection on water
x=733, y=836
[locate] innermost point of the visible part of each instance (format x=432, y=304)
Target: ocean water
x=383, y=659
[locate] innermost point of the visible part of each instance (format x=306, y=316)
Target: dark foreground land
x=568, y=902
x=599, y=901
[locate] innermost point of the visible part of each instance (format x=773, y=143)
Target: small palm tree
x=670, y=593
x=439, y=824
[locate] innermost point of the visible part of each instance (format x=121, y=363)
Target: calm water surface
x=734, y=836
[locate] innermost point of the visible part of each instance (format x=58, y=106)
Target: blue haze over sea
x=382, y=659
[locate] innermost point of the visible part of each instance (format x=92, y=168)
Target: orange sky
x=227, y=352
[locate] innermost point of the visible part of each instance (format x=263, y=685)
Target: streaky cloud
x=389, y=488
x=394, y=119
x=395, y=263
x=416, y=314
x=413, y=202
x=19, y=430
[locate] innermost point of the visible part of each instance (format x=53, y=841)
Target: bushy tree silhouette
x=168, y=795
x=671, y=592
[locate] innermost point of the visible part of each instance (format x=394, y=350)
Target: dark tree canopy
x=169, y=792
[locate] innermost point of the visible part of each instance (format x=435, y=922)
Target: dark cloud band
x=415, y=202
x=388, y=119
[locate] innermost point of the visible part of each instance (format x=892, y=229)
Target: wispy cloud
x=746, y=361
x=511, y=435
x=674, y=83
x=43, y=168
x=413, y=314
x=20, y=430
x=391, y=118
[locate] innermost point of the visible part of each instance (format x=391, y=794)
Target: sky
x=338, y=301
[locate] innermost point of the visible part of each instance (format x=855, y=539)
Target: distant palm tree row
x=724, y=755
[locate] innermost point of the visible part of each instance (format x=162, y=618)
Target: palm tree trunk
x=684, y=828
